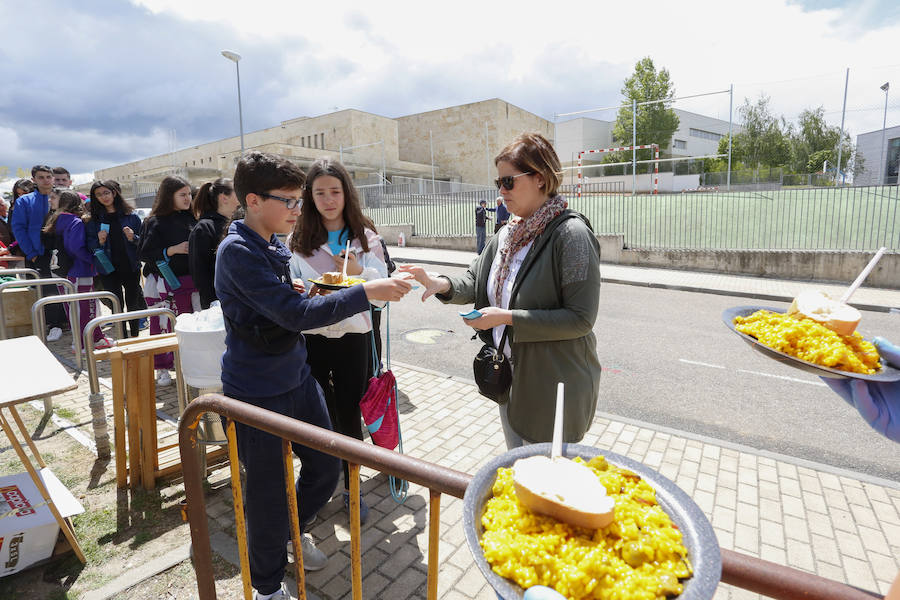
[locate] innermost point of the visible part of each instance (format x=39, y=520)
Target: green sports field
x=850, y=218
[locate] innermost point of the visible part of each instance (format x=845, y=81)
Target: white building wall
x=696, y=142
x=869, y=146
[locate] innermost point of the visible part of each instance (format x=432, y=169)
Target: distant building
x=881, y=162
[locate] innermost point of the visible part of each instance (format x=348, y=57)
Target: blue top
x=71, y=228
x=337, y=240
x=502, y=213
x=27, y=221
x=253, y=284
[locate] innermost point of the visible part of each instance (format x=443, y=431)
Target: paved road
x=669, y=360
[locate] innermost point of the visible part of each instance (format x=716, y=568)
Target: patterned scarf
x=522, y=231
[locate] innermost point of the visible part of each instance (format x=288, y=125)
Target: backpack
x=391, y=265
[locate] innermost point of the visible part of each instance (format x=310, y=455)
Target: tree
x=763, y=139
x=814, y=141
x=656, y=123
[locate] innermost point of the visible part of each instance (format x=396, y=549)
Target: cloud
x=110, y=80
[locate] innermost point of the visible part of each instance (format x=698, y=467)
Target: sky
x=95, y=83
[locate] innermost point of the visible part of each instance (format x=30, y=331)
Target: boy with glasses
x=265, y=360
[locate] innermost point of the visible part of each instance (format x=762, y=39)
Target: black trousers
x=133, y=297
x=265, y=502
x=339, y=366
x=55, y=314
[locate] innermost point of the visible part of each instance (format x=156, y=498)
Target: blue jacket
x=92, y=228
x=502, y=213
x=27, y=221
x=253, y=284
x=71, y=229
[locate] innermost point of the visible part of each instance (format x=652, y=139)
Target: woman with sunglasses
x=537, y=281
x=339, y=355
x=164, y=250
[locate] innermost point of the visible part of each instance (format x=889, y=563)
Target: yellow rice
x=639, y=556
x=811, y=341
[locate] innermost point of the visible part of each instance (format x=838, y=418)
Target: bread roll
x=332, y=277
x=563, y=489
x=836, y=316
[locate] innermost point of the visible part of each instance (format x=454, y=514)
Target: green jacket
x=554, y=309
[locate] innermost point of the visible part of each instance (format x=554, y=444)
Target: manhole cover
x=424, y=336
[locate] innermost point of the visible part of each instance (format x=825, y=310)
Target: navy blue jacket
x=253, y=284
x=92, y=228
x=27, y=221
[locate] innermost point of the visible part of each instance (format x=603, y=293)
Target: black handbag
x=493, y=373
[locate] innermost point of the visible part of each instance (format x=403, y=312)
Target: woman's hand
x=386, y=290
x=128, y=231
x=101, y=236
x=433, y=283
x=181, y=248
x=353, y=266
x=298, y=285
x=491, y=317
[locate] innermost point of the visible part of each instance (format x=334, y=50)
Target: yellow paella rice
x=811, y=341
x=639, y=556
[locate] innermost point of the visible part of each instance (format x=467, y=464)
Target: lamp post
x=236, y=58
x=882, y=168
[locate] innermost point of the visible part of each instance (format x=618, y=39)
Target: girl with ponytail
x=214, y=206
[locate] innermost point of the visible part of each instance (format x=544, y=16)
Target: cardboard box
x=28, y=530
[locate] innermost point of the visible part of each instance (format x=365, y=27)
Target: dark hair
x=60, y=171
x=259, y=173
x=532, y=152
x=69, y=202
x=97, y=209
x=165, y=195
x=22, y=184
x=207, y=198
x=309, y=232
x=36, y=168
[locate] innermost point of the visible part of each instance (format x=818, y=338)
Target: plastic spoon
x=346, y=254
x=556, y=445
x=862, y=276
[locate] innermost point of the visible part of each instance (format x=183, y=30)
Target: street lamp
x=881, y=165
x=235, y=57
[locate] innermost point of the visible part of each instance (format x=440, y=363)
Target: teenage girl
x=164, y=251
x=338, y=355
x=214, y=206
x=114, y=229
x=70, y=257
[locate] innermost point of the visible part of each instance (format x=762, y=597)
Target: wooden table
x=11, y=260
x=30, y=371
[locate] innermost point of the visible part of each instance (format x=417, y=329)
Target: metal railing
x=830, y=218
x=34, y=273
x=35, y=283
x=753, y=574
x=38, y=319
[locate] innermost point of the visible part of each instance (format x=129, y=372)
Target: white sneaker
x=54, y=334
x=313, y=558
x=163, y=378
x=281, y=594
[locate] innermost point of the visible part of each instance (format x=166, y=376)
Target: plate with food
x=644, y=533
x=336, y=281
x=813, y=335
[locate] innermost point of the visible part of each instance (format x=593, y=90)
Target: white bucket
x=201, y=352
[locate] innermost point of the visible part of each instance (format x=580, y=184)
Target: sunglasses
x=290, y=203
x=509, y=181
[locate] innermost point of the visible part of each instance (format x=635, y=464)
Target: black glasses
x=509, y=181
x=290, y=203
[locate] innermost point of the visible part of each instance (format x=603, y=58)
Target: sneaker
x=163, y=378
x=143, y=323
x=281, y=594
x=54, y=334
x=363, y=508
x=313, y=558
x=104, y=343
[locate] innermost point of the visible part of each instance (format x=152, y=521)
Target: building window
x=201, y=161
x=195, y=163
x=679, y=144
x=315, y=140
x=323, y=140
x=893, y=162
x=303, y=141
x=309, y=141
x=706, y=135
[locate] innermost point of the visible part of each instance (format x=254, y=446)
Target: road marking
x=818, y=383
x=702, y=364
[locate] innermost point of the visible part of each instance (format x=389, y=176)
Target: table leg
x=119, y=428
x=147, y=408
x=27, y=437
x=64, y=524
x=132, y=402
